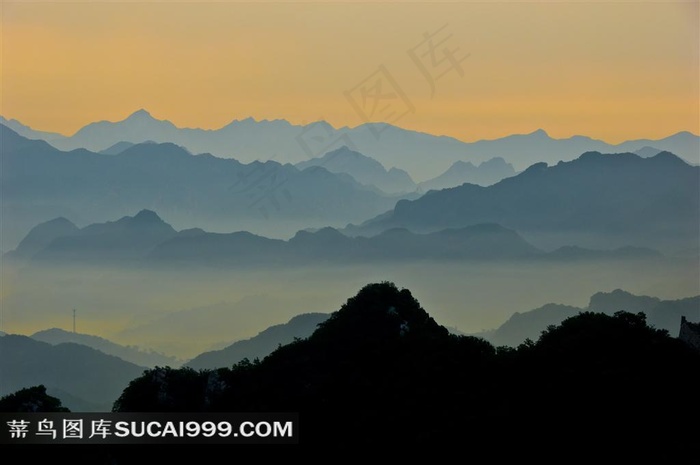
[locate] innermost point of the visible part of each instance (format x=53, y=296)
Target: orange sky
x=613, y=71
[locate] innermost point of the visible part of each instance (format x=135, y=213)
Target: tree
x=31, y=399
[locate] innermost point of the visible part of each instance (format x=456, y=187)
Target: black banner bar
x=149, y=428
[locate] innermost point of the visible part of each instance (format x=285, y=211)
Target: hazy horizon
x=124, y=117
x=517, y=67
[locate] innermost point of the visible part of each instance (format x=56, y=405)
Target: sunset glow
x=612, y=71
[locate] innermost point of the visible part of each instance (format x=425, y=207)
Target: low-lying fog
x=185, y=312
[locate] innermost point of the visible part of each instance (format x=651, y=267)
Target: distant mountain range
x=29, y=133
x=84, y=378
x=488, y=241
x=146, y=240
x=122, y=241
x=40, y=182
x=595, y=201
x=260, y=346
x=371, y=173
x=363, y=169
x=485, y=174
x=662, y=314
x=423, y=156
x=135, y=355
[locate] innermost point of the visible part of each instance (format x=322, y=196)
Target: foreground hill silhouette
x=381, y=371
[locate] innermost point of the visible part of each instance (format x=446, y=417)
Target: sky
x=472, y=70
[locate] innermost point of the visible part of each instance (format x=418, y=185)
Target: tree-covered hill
x=381, y=371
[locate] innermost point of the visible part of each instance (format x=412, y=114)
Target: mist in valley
x=185, y=311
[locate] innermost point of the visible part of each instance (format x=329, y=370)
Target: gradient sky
x=613, y=71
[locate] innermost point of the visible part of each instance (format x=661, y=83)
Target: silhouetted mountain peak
x=590, y=156
x=538, y=167
x=662, y=158
x=378, y=313
x=145, y=222
x=320, y=124
x=59, y=222
x=146, y=217
x=345, y=155
x=668, y=157
x=595, y=158
x=50, y=332
x=324, y=236
x=463, y=164
x=647, y=151
x=610, y=302
x=152, y=149
x=42, y=235
x=344, y=151
x=684, y=134
x=495, y=161
x=191, y=232
x=330, y=233
x=140, y=114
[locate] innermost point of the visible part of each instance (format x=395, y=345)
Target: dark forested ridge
x=381, y=371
